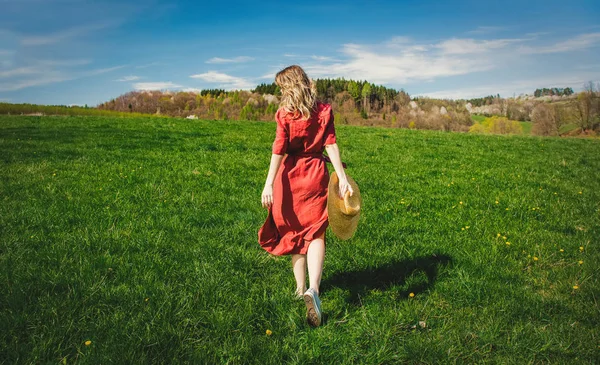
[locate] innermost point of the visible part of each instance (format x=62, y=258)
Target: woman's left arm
x=333, y=151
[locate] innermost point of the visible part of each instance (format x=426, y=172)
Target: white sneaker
x=313, y=307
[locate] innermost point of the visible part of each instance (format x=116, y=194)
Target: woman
x=296, y=194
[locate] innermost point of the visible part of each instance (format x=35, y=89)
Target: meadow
x=134, y=240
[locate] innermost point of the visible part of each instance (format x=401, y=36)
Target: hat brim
x=344, y=214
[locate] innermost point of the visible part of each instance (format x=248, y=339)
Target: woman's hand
x=344, y=186
x=267, y=196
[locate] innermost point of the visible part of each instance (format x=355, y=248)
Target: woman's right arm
x=279, y=150
x=267, y=194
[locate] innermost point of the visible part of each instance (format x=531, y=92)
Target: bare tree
x=588, y=106
x=545, y=122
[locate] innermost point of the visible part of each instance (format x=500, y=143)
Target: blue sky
x=87, y=52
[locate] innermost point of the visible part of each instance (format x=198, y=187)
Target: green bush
x=497, y=125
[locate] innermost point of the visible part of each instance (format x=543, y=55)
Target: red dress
x=299, y=211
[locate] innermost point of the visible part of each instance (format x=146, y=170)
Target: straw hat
x=343, y=213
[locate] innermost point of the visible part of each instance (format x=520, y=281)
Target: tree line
x=367, y=96
x=358, y=103
x=553, y=91
x=583, y=110
x=355, y=102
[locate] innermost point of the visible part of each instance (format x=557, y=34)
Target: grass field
x=135, y=241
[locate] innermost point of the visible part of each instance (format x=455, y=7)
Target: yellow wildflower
x=535, y=258
x=561, y=250
x=269, y=332
x=575, y=287
x=507, y=243
x=580, y=262
x=580, y=248
x=411, y=295
x=88, y=342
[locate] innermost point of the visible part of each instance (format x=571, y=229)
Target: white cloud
x=577, y=43
x=102, y=70
x=155, y=85
x=128, y=78
x=239, y=59
x=457, y=46
x=387, y=63
x=402, y=60
x=57, y=37
x=486, y=30
x=323, y=58
x=536, y=34
x=151, y=64
x=191, y=90
x=43, y=73
x=268, y=76
x=38, y=81
x=41, y=67
x=64, y=63
x=20, y=71
x=6, y=57
x=225, y=81
x=518, y=87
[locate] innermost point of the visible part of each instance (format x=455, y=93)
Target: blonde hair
x=298, y=92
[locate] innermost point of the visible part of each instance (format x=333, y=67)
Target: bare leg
x=315, y=257
x=299, y=266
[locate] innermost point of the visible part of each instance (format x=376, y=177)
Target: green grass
x=527, y=127
x=29, y=109
x=568, y=128
x=478, y=118
x=140, y=235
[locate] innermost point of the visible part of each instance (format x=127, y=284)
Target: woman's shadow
x=392, y=274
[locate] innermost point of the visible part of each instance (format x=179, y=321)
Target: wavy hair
x=298, y=92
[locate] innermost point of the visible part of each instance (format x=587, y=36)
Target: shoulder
x=281, y=116
x=324, y=111
x=323, y=108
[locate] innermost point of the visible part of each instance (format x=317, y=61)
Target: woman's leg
x=315, y=257
x=299, y=266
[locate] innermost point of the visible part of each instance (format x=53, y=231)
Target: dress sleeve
x=280, y=144
x=330, y=130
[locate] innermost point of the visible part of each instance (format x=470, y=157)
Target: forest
x=355, y=103
x=364, y=103
x=550, y=111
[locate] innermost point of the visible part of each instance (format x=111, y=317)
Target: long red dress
x=299, y=211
